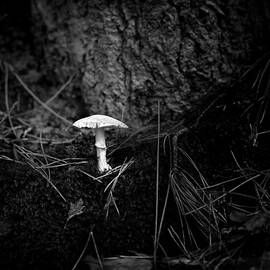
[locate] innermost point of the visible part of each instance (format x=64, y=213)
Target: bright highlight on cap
x=99, y=122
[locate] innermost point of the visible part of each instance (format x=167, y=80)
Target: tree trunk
x=131, y=53
x=126, y=55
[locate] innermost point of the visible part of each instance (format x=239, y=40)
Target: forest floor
x=187, y=195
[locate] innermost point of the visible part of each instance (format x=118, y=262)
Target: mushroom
x=99, y=123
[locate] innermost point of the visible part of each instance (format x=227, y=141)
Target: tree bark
x=131, y=53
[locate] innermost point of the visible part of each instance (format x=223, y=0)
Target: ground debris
x=121, y=263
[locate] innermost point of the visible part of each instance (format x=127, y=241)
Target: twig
x=30, y=92
x=225, y=194
x=35, y=163
x=89, y=175
x=96, y=250
x=7, y=103
x=61, y=89
x=157, y=192
x=84, y=249
x=163, y=213
x=111, y=186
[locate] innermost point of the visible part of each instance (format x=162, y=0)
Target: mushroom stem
x=100, y=144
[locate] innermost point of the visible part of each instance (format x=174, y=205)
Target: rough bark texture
x=130, y=53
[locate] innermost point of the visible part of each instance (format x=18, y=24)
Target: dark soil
x=34, y=233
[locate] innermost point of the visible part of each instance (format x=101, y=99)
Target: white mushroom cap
x=99, y=121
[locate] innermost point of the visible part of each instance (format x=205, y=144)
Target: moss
x=33, y=214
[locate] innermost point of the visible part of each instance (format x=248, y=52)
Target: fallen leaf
x=75, y=209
